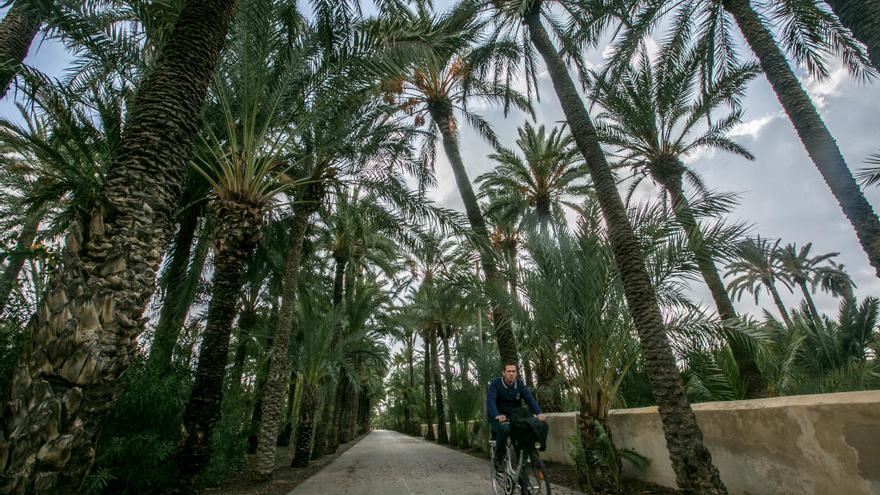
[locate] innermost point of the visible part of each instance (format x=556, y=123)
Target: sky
x=781, y=193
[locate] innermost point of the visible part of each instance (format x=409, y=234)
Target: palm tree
x=650, y=115
x=316, y=361
x=341, y=127
x=812, y=356
x=691, y=461
x=802, y=268
x=17, y=31
x=574, y=293
x=111, y=263
x=443, y=82
x=243, y=166
x=178, y=281
x=834, y=279
x=810, y=33
x=536, y=184
x=758, y=267
x=54, y=164
x=861, y=18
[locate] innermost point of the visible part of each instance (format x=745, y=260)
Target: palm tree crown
x=534, y=186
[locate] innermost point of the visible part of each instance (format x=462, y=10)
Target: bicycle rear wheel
x=534, y=477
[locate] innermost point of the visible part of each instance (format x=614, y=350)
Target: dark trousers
x=502, y=433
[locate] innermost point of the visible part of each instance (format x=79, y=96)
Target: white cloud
x=820, y=90
x=752, y=127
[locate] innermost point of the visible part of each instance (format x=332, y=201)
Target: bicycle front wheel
x=535, y=477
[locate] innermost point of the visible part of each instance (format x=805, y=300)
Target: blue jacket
x=502, y=399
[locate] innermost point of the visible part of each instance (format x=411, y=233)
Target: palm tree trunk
x=601, y=477
x=17, y=32
x=273, y=394
x=325, y=440
x=820, y=145
x=428, y=381
x=9, y=279
x=862, y=18
x=690, y=458
x=239, y=233
x=247, y=321
x=84, y=333
x=287, y=429
x=447, y=375
x=756, y=386
x=262, y=375
x=179, y=285
x=778, y=301
x=410, y=427
x=346, y=414
x=463, y=363
x=527, y=371
x=442, y=115
x=810, y=303
x=442, y=434
x=342, y=389
x=305, y=428
x=548, y=388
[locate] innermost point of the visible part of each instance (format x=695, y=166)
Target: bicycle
x=529, y=475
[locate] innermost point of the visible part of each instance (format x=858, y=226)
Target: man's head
x=509, y=373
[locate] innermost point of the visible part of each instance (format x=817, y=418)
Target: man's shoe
x=500, y=465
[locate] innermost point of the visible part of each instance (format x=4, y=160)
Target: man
x=507, y=393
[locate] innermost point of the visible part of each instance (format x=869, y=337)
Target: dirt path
x=390, y=463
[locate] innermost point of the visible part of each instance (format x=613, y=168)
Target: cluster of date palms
x=277, y=160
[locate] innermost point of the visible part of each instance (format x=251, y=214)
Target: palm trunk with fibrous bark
x=247, y=322
x=442, y=114
x=239, y=233
x=83, y=335
x=447, y=375
x=756, y=386
x=427, y=384
x=691, y=460
x=17, y=32
x=273, y=394
x=325, y=437
x=811, y=130
x=442, y=434
x=305, y=427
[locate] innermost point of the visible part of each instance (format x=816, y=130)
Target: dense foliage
x=189, y=282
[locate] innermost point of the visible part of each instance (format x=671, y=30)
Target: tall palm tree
x=802, y=268
x=244, y=167
x=538, y=182
x=340, y=127
x=17, y=32
x=809, y=32
x=691, y=461
x=650, y=115
x=110, y=263
x=758, y=267
x=449, y=77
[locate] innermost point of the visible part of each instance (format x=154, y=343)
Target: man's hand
x=541, y=417
x=501, y=418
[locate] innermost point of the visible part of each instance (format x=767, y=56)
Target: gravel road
x=390, y=463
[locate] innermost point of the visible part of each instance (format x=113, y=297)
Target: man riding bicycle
x=507, y=393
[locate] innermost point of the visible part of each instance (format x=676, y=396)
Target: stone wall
x=810, y=444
